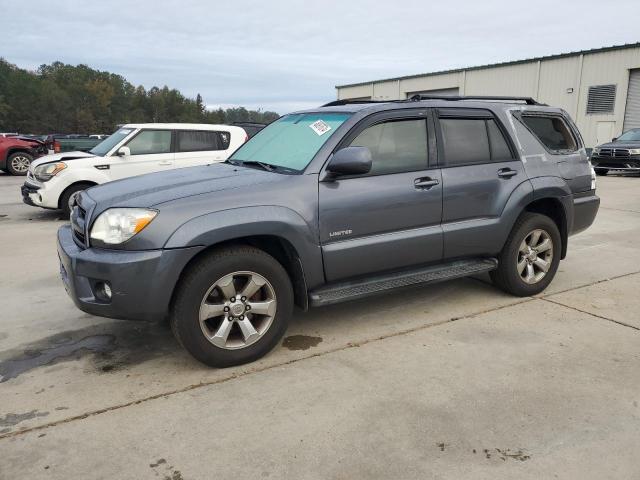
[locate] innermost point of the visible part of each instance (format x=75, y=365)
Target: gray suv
x=331, y=204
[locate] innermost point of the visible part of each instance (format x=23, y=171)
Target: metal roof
x=502, y=64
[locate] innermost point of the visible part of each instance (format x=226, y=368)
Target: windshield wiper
x=264, y=166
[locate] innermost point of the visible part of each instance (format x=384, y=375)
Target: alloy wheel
x=20, y=163
x=535, y=256
x=237, y=310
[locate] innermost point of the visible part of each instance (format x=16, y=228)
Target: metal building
x=599, y=88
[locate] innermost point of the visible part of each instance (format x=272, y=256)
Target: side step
x=343, y=291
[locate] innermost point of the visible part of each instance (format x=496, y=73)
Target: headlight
x=595, y=151
x=117, y=225
x=49, y=170
x=634, y=151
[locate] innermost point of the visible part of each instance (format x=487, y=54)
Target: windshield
x=111, y=141
x=292, y=141
x=630, y=136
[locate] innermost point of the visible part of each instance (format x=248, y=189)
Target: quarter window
x=201, y=141
x=552, y=131
x=148, y=142
x=397, y=146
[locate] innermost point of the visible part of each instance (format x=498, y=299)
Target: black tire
x=10, y=159
x=184, y=315
x=601, y=171
x=63, y=203
x=506, y=276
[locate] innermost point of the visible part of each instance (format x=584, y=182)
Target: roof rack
x=337, y=103
x=452, y=98
x=527, y=100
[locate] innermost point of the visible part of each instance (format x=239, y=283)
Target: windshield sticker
x=320, y=127
x=124, y=132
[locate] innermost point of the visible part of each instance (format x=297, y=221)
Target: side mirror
x=349, y=161
x=614, y=139
x=123, y=152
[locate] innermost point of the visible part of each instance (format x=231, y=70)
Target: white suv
x=134, y=149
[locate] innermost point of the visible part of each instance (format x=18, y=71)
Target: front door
x=150, y=152
x=480, y=171
x=389, y=218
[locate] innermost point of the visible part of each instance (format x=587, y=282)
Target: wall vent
x=601, y=99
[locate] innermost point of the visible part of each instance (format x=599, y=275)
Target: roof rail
x=337, y=103
x=527, y=100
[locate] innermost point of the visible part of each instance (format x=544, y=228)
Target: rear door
x=200, y=147
x=151, y=151
x=480, y=170
x=389, y=218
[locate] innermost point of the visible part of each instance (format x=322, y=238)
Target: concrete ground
x=455, y=380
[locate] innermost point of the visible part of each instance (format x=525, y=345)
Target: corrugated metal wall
x=563, y=82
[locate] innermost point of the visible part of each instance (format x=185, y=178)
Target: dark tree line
x=60, y=98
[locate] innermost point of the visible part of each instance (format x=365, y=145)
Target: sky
x=284, y=55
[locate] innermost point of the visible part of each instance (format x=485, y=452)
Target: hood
x=620, y=145
x=154, y=189
x=60, y=157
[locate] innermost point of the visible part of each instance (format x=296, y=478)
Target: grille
x=614, y=153
x=78, y=216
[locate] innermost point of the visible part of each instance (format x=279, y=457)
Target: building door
x=445, y=92
x=632, y=111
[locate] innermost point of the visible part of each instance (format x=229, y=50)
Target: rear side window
x=473, y=140
x=465, y=141
x=148, y=142
x=201, y=141
x=397, y=146
x=552, y=131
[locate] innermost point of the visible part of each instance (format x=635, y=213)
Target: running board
x=341, y=292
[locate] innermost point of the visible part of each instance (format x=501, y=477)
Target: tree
x=62, y=98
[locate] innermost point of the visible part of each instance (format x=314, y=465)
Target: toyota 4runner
x=332, y=204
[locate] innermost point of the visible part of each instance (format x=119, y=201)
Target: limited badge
x=320, y=127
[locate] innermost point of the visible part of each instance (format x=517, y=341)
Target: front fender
x=238, y=223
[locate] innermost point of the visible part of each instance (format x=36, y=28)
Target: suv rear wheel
x=529, y=260
x=18, y=163
x=232, y=307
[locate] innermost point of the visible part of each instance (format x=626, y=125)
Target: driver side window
x=149, y=142
x=396, y=146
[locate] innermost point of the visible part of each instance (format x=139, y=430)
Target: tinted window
x=201, y=141
x=499, y=148
x=399, y=146
x=464, y=141
x=553, y=132
x=150, y=141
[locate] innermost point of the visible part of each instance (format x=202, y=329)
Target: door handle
x=425, y=183
x=507, y=173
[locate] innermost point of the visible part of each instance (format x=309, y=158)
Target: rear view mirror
x=123, y=152
x=614, y=139
x=350, y=161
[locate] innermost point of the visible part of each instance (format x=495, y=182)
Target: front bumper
x=629, y=164
x=585, y=209
x=141, y=282
x=31, y=194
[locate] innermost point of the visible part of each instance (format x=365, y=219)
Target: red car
x=17, y=153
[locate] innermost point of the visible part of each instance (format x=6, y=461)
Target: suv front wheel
x=529, y=260
x=232, y=307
